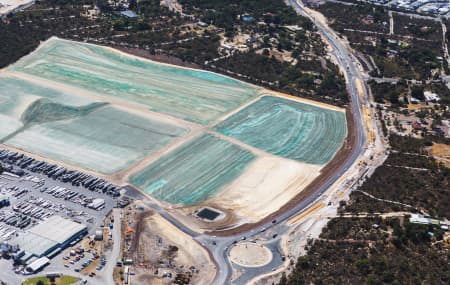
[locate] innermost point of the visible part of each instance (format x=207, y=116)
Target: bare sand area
x=268, y=184
x=334, y=165
x=190, y=250
x=267, y=92
x=441, y=152
x=158, y=240
x=250, y=254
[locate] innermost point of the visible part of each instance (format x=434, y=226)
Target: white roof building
x=430, y=96
x=38, y=264
x=57, y=228
x=419, y=219
x=51, y=235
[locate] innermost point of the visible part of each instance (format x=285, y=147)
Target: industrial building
x=47, y=238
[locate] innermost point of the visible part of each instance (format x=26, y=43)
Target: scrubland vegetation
x=385, y=250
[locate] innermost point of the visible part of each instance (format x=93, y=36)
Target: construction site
x=156, y=252
x=203, y=155
x=187, y=138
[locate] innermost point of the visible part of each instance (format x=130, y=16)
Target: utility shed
x=98, y=235
x=97, y=204
x=419, y=219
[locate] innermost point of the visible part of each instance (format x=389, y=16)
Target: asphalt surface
x=273, y=244
x=220, y=251
x=219, y=247
x=107, y=273
x=96, y=217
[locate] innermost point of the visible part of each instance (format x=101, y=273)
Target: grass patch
x=63, y=280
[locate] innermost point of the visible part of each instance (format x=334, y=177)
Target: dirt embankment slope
x=333, y=166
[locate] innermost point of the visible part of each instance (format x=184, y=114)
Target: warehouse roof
x=57, y=229
x=34, y=244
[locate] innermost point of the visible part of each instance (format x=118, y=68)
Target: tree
x=417, y=92
x=283, y=280
x=363, y=265
x=133, y=4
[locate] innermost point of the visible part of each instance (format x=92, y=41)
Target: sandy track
x=229, y=114
x=303, y=100
x=243, y=145
x=124, y=175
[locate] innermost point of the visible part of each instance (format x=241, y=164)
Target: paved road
x=107, y=272
x=276, y=262
x=219, y=247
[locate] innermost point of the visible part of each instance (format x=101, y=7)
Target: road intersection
x=219, y=247
x=220, y=250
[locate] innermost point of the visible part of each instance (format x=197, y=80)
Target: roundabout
x=249, y=254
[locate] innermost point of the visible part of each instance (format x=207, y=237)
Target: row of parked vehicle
x=15, y=219
x=15, y=191
x=57, y=172
x=6, y=232
x=31, y=210
x=79, y=255
x=68, y=195
x=46, y=204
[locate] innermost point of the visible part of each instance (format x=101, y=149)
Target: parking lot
x=87, y=261
x=35, y=197
x=17, y=163
x=36, y=190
